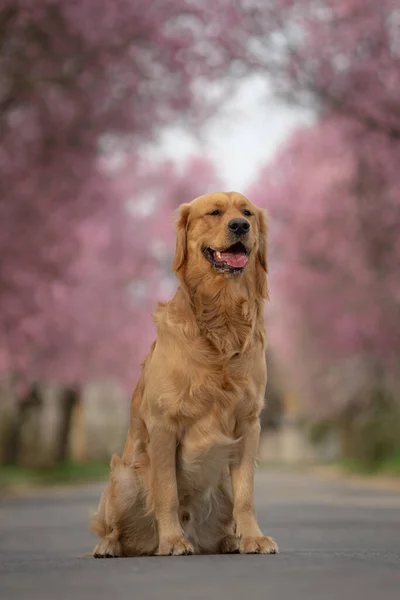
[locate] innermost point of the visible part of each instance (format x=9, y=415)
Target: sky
x=242, y=138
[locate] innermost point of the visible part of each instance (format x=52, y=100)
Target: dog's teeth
x=218, y=255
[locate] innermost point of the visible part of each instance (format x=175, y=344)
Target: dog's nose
x=239, y=226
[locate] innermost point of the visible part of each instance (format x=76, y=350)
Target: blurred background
x=113, y=114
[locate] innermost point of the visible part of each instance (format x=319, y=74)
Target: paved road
x=337, y=540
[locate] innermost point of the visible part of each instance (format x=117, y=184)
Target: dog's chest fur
x=209, y=383
x=216, y=364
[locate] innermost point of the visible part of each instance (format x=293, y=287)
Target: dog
x=184, y=483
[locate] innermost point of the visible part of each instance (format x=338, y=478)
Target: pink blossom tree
x=76, y=73
x=86, y=321
x=79, y=82
x=335, y=213
x=334, y=207
x=339, y=56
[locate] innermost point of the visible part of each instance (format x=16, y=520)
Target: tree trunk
x=29, y=402
x=69, y=400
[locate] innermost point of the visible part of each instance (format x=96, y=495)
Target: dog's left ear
x=181, y=247
x=262, y=260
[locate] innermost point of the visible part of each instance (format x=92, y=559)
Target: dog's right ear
x=262, y=263
x=181, y=247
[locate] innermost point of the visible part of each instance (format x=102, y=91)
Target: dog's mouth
x=232, y=260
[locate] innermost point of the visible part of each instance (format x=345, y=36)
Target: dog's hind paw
x=229, y=544
x=107, y=549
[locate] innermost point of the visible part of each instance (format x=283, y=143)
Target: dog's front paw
x=107, y=549
x=258, y=545
x=175, y=546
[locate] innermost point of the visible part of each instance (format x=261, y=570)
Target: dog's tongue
x=235, y=259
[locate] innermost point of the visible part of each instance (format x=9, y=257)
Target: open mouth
x=232, y=260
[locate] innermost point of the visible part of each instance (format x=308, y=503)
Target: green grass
x=14, y=477
x=391, y=466
x=388, y=466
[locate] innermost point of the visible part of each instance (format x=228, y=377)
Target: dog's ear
x=181, y=248
x=262, y=260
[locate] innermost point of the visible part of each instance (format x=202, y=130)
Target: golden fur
x=184, y=483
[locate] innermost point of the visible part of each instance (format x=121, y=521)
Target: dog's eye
x=215, y=213
x=247, y=213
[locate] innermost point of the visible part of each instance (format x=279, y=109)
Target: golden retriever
x=184, y=483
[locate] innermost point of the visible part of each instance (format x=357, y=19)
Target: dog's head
x=222, y=234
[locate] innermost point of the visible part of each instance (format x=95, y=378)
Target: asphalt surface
x=337, y=540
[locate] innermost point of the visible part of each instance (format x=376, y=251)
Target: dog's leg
x=122, y=520
x=103, y=523
x=162, y=449
x=252, y=541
